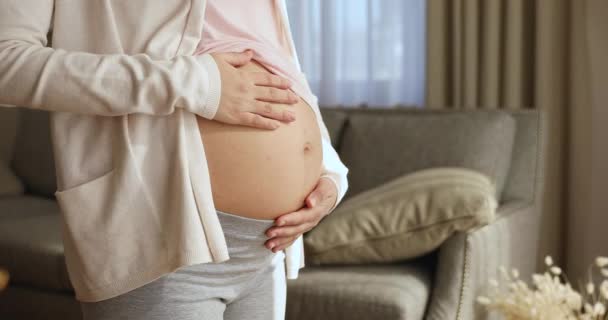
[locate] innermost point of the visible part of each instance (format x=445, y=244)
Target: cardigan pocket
x=110, y=231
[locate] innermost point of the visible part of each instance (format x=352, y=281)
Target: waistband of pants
x=236, y=225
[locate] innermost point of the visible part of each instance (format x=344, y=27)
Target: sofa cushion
x=524, y=171
x=360, y=292
x=10, y=185
x=33, y=160
x=334, y=121
x=403, y=218
x=25, y=206
x=23, y=302
x=31, y=244
x=378, y=147
x=8, y=128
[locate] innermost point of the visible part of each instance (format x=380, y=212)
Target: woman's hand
x=255, y=99
x=291, y=225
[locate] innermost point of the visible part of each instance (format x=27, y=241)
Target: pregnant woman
x=256, y=176
x=161, y=222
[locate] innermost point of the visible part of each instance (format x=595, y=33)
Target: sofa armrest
x=466, y=261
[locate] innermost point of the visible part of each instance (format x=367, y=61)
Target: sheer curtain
x=361, y=51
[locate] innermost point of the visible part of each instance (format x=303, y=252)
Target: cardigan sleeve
x=35, y=76
x=333, y=168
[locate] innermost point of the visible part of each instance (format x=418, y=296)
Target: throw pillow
x=404, y=218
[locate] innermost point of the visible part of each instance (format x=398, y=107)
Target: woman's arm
x=35, y=76
x=333, y=168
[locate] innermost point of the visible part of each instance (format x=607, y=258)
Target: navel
x=307, y=146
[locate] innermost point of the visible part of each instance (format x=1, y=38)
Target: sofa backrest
x=525, y=175
x=437, y=138
x=8, y=129
x=33, y=158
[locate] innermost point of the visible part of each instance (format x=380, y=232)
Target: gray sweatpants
x=250, y=285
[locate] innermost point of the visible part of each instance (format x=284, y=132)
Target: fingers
x=257, y=121
x=288, y=231
x=297, y=217
x=267, y=116
x=324, y=194
x=280, y=243
x=274, y=111
x=270, y=94
x=265, y=79
x=236, y=59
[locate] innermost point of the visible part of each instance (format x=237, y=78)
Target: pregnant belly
x=261, y=173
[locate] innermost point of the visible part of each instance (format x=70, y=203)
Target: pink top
x=237, y=25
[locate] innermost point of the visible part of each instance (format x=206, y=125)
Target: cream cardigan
x=123, y=89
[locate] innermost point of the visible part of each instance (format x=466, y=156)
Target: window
x=361, y=51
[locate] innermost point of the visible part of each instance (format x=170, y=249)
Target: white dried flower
x=604, y=289
x=599, y=309
x=601, y=262
x=590, y=288
x=574, y=300
x=515, y=273
x=604, y=272
x=556, y=270
x=547, y=298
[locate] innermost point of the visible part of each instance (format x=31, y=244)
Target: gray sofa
x=377, y=145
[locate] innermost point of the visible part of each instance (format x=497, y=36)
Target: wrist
x=335, y=193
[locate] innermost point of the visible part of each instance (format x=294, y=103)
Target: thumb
x=237, y=59
x=313, y=198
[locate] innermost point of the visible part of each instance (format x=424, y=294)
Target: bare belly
x=261, y=173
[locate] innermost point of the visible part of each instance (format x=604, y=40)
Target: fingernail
x=291, y=115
